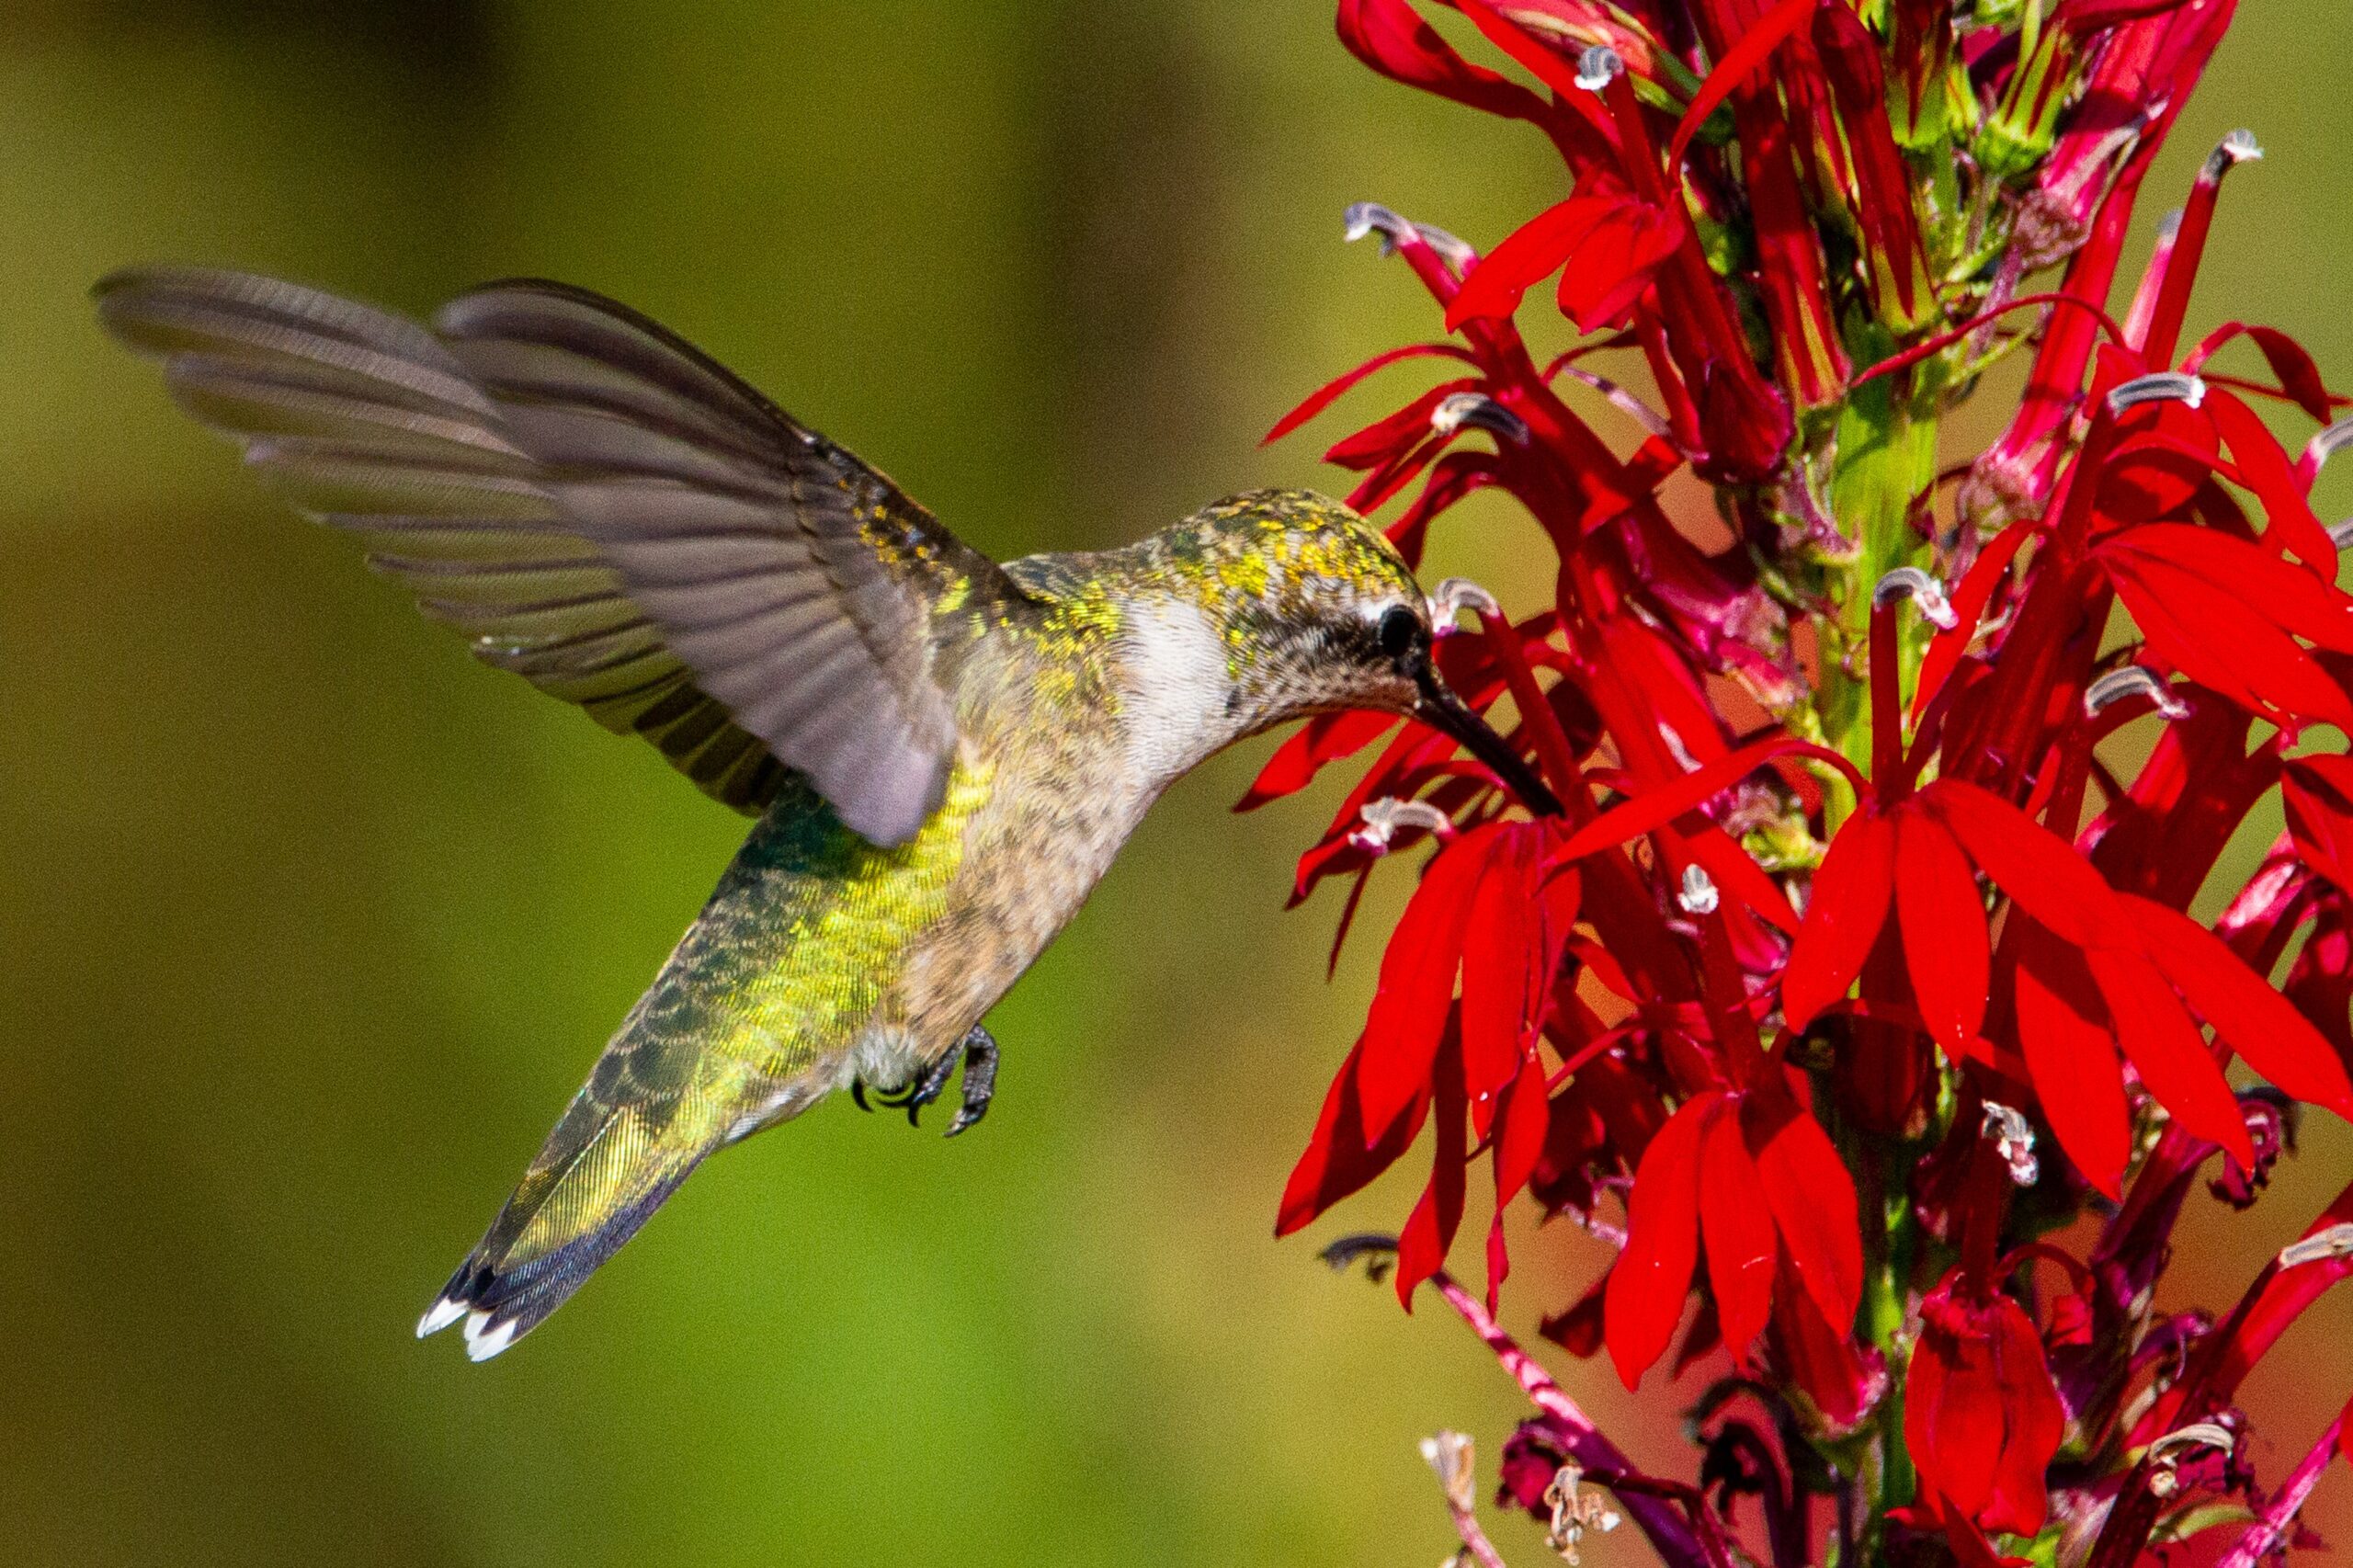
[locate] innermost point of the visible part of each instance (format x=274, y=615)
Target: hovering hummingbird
x=942, y=753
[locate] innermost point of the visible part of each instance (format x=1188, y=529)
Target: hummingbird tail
x=604, y=1171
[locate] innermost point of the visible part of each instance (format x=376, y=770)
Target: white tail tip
x=483, y=1340
x=444, y=1313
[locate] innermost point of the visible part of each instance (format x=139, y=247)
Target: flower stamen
x=2132, y=680
x=1480, y=412
x=2013, y=1139
x=1455, y=594
x=1698, y=894
x=2336, y=1242
x=1385, y=818
x=1598, y=66
x=1364, y=217
x=1923, y=591
x=2164, y=386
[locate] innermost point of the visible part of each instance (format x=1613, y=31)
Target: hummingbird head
x=1315, y=611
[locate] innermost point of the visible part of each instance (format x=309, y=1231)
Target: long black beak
x=1444, y=711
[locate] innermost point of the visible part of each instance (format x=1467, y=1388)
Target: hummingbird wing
x=604, y=510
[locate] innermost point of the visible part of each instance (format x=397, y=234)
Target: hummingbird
x=941, y=755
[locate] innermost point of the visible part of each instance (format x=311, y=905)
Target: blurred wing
x=370, y=423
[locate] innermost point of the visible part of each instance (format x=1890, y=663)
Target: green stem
x=1886, y=458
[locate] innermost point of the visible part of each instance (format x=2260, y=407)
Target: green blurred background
x=311, y=925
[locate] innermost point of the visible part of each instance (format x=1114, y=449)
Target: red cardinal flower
x=1753, y=1175
x=1997, y=1032
x=1981, y=1417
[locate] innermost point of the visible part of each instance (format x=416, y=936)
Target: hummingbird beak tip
x=1443, y=710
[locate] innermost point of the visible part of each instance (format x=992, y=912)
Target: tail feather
x=603, y=1173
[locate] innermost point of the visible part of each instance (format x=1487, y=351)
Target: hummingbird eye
x=1399, y=631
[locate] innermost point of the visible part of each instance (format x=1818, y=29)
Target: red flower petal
x=1337, y=1160
x=2299, y=378
x=2248, y=1014
x=1385, y=441
x=2032, y=1419
x=1501, y=989
x=1417, y=986
x=1652, y=1275
x=1391, y=37
x=1525, y=1119
x=1613, y=264
x=1738, y=1232
x=2063, y=1032
x=2169, y=1049
x=1325, y=395
x=1843, y=915
x=2315, y=610
x=1842, y=1381
x=1943, y=920
x=2219, y=639
x=1327, y=738
x=1812, y=1196
x=1529, y=252
x=2267, y=472
x=2040, y=871
x=1429, y=1230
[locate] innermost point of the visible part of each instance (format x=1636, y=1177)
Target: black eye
x=1400, y=629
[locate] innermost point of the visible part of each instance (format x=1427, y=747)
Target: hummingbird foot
x=979, y=1054
x=980, y=1079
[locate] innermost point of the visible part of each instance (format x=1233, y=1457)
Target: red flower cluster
x=1853, y=912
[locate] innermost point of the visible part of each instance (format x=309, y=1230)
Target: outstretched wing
x=601, y=509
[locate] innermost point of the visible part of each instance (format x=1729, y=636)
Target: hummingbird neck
x=1179, y=699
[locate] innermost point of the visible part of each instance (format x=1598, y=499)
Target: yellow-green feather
x=751, y=1017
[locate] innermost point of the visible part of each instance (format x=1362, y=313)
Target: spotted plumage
x=943, y=754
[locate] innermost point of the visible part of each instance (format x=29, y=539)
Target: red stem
x=2269, y=1533
x=1887, y=706
x=1669, y=1535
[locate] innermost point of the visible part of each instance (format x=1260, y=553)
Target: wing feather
x=603, y=509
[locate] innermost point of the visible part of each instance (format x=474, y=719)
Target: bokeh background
x=308, y=924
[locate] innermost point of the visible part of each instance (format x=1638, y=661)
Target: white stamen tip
x=2322, y=1247
x=1455, y=594
x=2324, y=445
x=2132, y=680
x=2165, y=386
x=1385, y=818
x=1598, y=66
x=442, y=1313
x=2239, y=147
x=1923, y=591
x=1364, y=217
x=1371, y=218
x=2013, y=1141
x=2169, y=1450
x=1698, y=894
x=1480, y=412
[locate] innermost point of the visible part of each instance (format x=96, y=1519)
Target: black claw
x=922, y=1091
x=980, y=1078
x=858, y=1093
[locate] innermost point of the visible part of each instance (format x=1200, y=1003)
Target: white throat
x=1178, y=707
